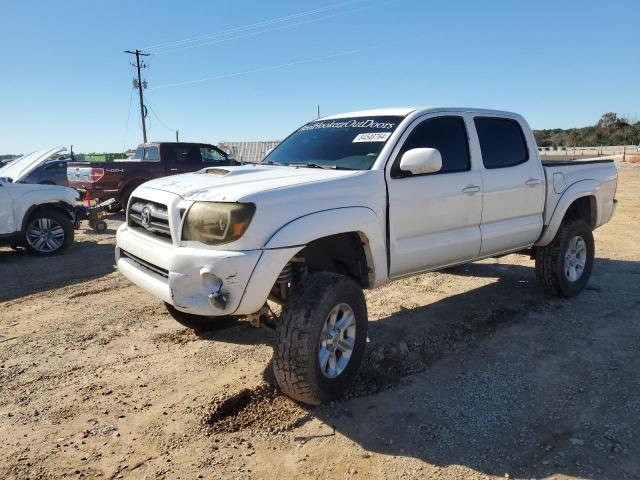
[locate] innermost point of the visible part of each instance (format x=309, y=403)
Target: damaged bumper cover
x=198, y=281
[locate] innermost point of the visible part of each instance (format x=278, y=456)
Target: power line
x=158, y=118
x=126, y=128
x=263, y=31
x=283, y=65
x=251, y=26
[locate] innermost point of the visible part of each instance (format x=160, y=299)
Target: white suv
x=39, y=217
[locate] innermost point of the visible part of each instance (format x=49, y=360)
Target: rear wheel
x=49, y=232
x=321, y=338
x=564, y=266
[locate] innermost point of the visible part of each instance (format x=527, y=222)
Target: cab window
x=212, y=155
x=502, y=142
x=446, y=134
x=147, y=154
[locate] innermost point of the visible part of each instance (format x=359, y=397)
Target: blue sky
x=65, y=79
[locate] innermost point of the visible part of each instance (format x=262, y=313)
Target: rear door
x=513, y=185
x=434, y=219
x=182, y=158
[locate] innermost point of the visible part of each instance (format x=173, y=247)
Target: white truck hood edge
x=18, y=169
x=241, y=181
x=48, y=192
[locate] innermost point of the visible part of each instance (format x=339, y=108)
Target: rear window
x=501, y=141
x=147, y=154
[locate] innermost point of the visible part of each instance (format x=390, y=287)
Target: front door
x=7, y=224
x=434, y=219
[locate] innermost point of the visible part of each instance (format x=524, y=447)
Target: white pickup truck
x=354, y=201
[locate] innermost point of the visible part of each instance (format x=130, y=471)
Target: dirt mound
x=185, y=335
x=261, y=408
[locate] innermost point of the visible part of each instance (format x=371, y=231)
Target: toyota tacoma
x=354, y=201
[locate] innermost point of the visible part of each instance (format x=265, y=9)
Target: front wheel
x=564, y=266
x=49, y=232
x=321, y=338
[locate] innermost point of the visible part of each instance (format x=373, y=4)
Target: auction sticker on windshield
x=372, y=137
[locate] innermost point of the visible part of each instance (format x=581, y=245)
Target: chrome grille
x=150, y=217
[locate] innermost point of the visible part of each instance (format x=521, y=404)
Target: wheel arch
x=313, y=229
x=61, y=206
x=131, y=185
x=580, y=200
x=323, y=228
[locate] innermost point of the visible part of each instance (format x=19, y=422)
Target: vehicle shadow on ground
x=234, y=330
x=25, y=274
x=532, y=401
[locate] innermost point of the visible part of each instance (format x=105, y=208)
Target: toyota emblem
x=145, y=217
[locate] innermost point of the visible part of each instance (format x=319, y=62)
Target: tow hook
x=218, y=299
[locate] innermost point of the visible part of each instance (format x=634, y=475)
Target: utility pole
x=140, y=85
x=177, y=137
x=318, y=111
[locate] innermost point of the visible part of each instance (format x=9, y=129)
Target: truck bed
x=562, y=174
x=562, y=163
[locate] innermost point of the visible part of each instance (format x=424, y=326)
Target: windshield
x=344, y=143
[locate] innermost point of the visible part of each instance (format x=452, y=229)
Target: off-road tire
x=63, y=220
x=550, y=260
x=296, y=362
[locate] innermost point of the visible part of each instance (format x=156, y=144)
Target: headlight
x=217, y=223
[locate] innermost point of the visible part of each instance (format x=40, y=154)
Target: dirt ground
x=470, y=373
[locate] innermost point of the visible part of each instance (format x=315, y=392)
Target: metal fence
x=249, y=152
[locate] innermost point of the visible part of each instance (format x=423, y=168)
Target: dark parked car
x=106, y=180
x=52, y=172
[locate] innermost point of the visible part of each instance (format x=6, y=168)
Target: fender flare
x=580, y=189
x=362, y=220
x=292, y=237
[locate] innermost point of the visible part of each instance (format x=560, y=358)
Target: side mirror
x=421, y=160
x=231, y=157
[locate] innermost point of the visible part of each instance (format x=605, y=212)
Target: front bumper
x=200, y=281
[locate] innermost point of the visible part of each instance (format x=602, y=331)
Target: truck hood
x=18, y=169
x=231, y=184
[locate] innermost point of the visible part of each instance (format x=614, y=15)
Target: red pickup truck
x=105, y=180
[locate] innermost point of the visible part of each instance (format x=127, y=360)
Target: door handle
x=532, y=182
x=173, y=169
x=471, y=189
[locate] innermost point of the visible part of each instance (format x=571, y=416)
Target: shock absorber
x=284, y=280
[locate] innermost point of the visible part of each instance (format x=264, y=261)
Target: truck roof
x=148, y=144
x=404, y=111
